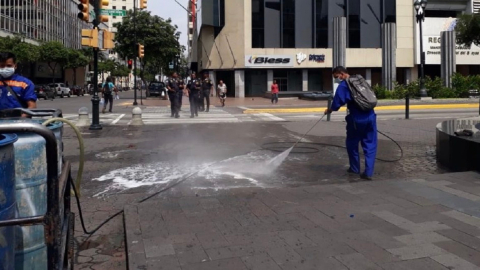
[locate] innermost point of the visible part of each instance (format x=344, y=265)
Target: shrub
x=380, y=91
x=463, y=84
x=436, y=89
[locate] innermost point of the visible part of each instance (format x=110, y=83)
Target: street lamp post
x=420, y=6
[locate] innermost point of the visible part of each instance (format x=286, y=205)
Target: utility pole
x=96, y=99
x=135, y=103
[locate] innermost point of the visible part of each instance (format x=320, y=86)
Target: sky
x=170, y=9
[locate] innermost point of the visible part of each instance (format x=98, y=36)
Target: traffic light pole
x=95, y=99
x=135, y=52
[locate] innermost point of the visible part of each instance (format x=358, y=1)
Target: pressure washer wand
x=321, y=118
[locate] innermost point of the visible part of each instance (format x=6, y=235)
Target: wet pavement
x=125, y=164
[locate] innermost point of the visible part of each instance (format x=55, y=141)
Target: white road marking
x=243, y=108
x=118, y=119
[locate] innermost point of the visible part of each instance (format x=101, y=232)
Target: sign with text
x=432, y=27
x=319, y=58
x=264, y=61
x=114, y=12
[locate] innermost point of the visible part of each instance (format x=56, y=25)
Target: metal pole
x=95, y=99
x=329, y=105
x=407, y=107
x=423, y=91
x=134, y=51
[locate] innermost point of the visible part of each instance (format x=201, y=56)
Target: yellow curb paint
x=380, y=108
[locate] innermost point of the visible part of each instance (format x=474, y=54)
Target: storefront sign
x=301, y=57
x=465, y=55
x=319, y=58
x=260, y=61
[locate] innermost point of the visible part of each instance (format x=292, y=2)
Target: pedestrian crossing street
x=161, y=116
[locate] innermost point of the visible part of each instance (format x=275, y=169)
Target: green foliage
x=120, y=71
x=159, y=37
x=381, y=91
x=75, y=59
x=107, y=66
x=25, y=52
x=468, y=29
x=54, y=54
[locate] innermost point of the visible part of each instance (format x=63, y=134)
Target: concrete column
x=368, y=76
x=239, y=83
x=213, y=76
x=448, y=57
x=305, y=80
x=389, y=61
x=269, y=80
x=339, y=44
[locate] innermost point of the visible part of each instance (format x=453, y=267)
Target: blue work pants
x=362, y=129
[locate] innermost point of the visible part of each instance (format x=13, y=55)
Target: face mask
x=6, y=73
x=338, y=80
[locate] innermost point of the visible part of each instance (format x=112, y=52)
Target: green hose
x=82, y=149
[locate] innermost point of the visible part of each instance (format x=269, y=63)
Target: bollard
x=407, y=107
x=136, y=117
x=83, y=118
x=329, y=105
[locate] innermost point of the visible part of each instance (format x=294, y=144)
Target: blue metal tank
x=31, y=194
x=7, y=200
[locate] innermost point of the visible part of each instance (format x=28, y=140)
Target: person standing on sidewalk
x=207, y=87
x=361, y=127
x=222, y=92
x=174, y=94
x=193, y=91
x=274, y=92
x=107, y=89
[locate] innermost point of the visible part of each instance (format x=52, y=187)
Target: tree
x=25, y=52
x=468, y=29
x=76, y=59
x=159, y=37
x=107, y=66
x=54, y=54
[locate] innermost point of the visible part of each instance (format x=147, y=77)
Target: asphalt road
x=71, y=106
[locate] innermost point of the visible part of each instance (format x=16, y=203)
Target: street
x=217, y=197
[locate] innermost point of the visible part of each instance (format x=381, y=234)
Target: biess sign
x=260, y=61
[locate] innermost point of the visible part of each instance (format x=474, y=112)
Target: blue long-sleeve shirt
x=22, y=86
x=342, y=97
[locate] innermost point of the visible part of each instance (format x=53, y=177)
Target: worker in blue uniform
x=16, y=91
x=361, y=127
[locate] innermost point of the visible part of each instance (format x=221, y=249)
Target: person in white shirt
x=222, y=90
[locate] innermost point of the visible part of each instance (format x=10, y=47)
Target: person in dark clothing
x=107, y=89
x=174, y=94
x=181, y=85
x=361, y=127
x=193, y=90
x=207, y=87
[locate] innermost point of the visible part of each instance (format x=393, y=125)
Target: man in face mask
x=15, y=91
x=361, y=126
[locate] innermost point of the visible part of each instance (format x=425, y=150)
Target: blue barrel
x=7, y=200
x=31, y=195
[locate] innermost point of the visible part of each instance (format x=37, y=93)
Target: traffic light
x=108, y=39
x=84, y=8
x=143, y=4
x=130, y=66
x=90, y=37
x=103, y=5
x=141, y=51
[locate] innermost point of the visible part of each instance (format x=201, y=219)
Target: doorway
x=228, y=78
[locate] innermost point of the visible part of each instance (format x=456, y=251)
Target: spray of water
x=275, y=162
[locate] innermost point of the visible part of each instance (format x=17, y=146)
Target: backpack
x=106, y=89
x=362, y=93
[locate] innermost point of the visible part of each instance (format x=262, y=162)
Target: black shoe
x=207, y=110
x=365, y=177
x=351, y=171
x=196, y=114
x=191, y=116
x=177, y=116
x=172, y=115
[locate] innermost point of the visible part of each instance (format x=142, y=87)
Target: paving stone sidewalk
x=429, y=223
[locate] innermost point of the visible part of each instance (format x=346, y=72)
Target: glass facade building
x=43, y=20
x=309, y=23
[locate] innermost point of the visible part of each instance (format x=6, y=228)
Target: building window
x=114, y=7
x=391, y=11
x=281, y=76
x=321, y=23
x=288, y=23
x=124, y=8
x=353, y=24
x=258, y=23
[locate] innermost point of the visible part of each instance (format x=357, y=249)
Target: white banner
x=465, y=55
x=266, y=61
